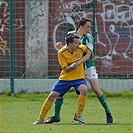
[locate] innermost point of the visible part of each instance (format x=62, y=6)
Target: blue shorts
x=62, y=86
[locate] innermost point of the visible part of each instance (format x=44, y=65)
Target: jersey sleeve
x=89, y=45
x=84, y=48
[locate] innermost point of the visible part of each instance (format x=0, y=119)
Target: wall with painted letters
x=114, y=32
x=38, y=25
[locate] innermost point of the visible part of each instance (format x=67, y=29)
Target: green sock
x=57, y=107
x=102, y=100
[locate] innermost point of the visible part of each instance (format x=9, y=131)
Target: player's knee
x=83, y=90
x=53, y=95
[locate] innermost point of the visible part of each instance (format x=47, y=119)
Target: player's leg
x=100, y=94
x=46, y=106
x=82, y=88
x=63, y=88
x=58, y=90
x=57, y=108
x=92, y=77
x=102, y=99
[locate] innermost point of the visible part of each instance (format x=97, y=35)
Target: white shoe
x=79, y=119
x=38, y=122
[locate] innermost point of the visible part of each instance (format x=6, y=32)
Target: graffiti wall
x=19, y=38
x=113, y=32
x=30, y=38
x=34, y=40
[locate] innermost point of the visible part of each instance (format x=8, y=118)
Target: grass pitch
x=19, y=112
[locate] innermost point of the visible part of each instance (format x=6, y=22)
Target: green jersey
x=87, y=40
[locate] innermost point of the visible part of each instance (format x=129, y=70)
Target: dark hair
x=83, y=21
x=70, y=37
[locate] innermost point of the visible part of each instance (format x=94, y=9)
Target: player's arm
x=63, y=63
x=90, y=47
x=71, y=67
x=74, y=65
x=85, y=58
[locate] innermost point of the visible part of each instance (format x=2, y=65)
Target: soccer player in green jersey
x=86, y=38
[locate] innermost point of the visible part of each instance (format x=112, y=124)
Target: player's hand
x=77, y=63
x=74, y=65
x=59, y=45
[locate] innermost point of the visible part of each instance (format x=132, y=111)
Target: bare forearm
x=71, y=67
x=68, y=68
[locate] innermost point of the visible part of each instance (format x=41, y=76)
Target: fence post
x=11, y=47
x=94, y=14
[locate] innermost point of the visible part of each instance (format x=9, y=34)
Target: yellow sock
x=45, y=108
x=81, y=104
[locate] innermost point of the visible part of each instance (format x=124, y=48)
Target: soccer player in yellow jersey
x=71, y=58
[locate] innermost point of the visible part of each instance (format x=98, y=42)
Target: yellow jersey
x=66, y=58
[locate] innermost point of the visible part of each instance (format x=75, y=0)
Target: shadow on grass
x=74, y=123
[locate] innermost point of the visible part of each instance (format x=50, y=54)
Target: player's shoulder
x=63, y=49
x=83, y=47
x=89, y=35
